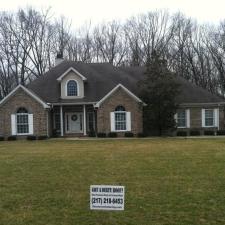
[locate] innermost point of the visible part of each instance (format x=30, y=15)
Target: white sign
x=107, y=197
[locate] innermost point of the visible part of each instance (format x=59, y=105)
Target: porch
x=73, y=120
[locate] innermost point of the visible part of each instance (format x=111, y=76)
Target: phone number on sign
x=107, y=201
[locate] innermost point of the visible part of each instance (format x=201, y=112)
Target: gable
x=72, y=76
x=32, y=95
x=74, y=71
x=122, y=88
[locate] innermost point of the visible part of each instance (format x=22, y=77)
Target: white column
x=61, y=120
x=84, y=115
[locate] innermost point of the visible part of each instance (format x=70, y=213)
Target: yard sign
x=107, y=197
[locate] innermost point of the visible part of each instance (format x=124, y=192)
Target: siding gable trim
x=75, y=71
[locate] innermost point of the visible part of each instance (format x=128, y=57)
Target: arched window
x=120, y=108
x=22, y=110
x=22, y=121
x=72, y=88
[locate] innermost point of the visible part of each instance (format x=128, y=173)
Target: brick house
x=74, y=98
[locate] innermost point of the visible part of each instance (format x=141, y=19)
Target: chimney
x=59, y=59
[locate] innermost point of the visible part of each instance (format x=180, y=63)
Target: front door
x=74, y=122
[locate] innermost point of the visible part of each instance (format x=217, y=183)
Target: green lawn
x=168, y=181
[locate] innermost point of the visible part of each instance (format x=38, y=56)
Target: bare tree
x=109, y=42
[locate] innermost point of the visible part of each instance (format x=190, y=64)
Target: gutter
x=202, y=104
x=70, y=103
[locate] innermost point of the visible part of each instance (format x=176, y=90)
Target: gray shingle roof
x=102, y=78
x=190, y=93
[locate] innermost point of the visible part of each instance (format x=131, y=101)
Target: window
x=90, y=121
x=120, y=108
x=57, y=125
x=181, y=118
x=22, y=121
x=209, y=117
x=72, y=88
x=120, y=118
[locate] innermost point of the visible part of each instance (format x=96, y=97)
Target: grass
x=168, y=181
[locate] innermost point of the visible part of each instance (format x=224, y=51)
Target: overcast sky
x=81, y=11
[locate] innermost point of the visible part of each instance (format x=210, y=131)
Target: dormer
x=72, y=84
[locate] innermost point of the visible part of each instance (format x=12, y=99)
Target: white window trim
x=215, y=117
x=14, y=124
x=78, y=89
x=113, y=121
x=187, y=119
x=117, y=112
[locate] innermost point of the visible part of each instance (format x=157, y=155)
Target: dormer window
x=72, y=88
x=72, y=84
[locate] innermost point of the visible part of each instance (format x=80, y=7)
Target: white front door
x=74, y=122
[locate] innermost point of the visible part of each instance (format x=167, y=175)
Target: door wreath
x=74, y=117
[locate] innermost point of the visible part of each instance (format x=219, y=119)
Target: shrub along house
x=74, y=98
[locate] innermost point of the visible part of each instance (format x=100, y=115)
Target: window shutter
x=216, y=117
x=128, y=121
x=187, y=111
x=13, y=124
x=203, y=117
x=112, y=121
x=31, y=126
x=175, y=117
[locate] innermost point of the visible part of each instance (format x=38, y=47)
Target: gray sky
x=81, y=11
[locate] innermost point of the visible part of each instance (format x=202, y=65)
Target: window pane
x=208, y=113
x=22, y=129
x=120, y=108
x=181, y=119
x=22, y=123
x=90, y=121
x=209, y=117
x=209, y=121
x=72, y=88
x=57, y=121
x=120, y=121
x=23, y=118
x=22, y=110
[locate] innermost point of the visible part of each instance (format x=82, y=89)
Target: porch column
x=61, y=120
x=84, y=113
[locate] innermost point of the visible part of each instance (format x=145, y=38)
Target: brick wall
x=22, y=99
x=120, y=97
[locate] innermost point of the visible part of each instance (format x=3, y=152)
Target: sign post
x=107, y=197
